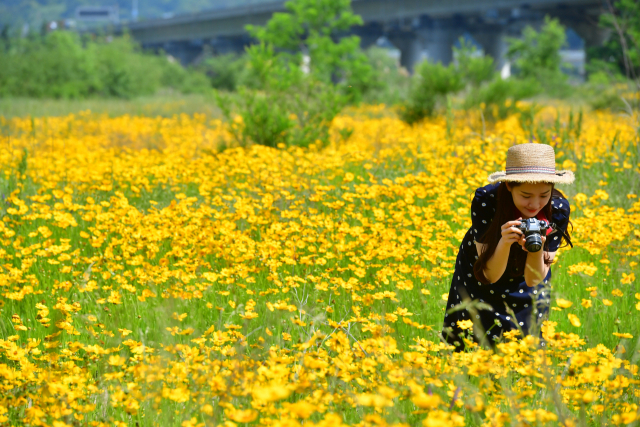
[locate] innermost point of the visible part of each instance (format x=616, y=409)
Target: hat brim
x=560, y=177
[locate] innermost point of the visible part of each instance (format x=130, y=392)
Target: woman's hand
x=522, y=241
x=511, y=234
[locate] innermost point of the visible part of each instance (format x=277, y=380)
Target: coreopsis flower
x=575, y=321
x=465, y=324
x=563, y=303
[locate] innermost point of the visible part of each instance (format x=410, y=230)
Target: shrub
x=226, y=72
x=185, y=80
x=295, y=106
x=316, y=28
x=537, y=54
x=124, y=72
x=430, y=85
x=293, y=109
x=55, y=66
x=388, y=84
x=608, y=99
x=61, y=65
x=603, y=73
x=474, y=68
x=265, y=120
x=499, y=98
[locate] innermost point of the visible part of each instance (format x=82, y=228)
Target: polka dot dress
x=513, y=304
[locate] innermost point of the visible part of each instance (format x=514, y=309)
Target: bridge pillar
x=589, y=31
x=410, y=46
x=493, y=41
x=440, y=39
x=184, y=51
x=223, y=45
x=369, y=34
x=585, y=24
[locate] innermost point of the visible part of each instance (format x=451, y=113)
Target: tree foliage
x=226, y=72
x=62, y=65
x=314, y=29
x=296, y=100
x=623, y=20
x=537, y=53
x=432, y=83
x=474, y=67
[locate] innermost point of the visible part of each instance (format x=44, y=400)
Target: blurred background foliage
x=303, y=70
x=61, y=64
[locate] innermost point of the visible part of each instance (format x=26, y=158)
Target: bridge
x=412, y=26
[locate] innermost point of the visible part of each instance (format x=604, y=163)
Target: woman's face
x=530, y=198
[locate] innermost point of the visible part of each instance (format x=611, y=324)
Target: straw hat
x=532, y=163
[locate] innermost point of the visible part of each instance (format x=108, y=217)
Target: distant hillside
x=16, y=13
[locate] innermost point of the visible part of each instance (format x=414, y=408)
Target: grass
x=163, y=104
x=260, y=286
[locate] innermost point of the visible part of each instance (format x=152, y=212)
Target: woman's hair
x=504, y=212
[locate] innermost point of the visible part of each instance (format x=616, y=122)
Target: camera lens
x=533, y=242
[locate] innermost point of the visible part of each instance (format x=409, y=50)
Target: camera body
x=532, y=229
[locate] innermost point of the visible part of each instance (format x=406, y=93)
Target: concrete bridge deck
x=409, y=24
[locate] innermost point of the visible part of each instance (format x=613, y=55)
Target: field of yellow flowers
x=150, y=278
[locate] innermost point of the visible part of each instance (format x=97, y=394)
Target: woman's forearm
x=535, y=269
x=497, y=264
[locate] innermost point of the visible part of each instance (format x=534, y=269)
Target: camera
x=532, y=228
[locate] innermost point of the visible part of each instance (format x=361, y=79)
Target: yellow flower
x=243, y=415
x=425, y=401
x=563, y=303
x=116, y=360
x=302, y=409
x=607, y=302
x=623, y=335
x=588, y=396
x=586, y=268
x=179, y=317
x=465, y=324
x=271, y=393
x=193, y=422
x=575, y=321
x=439, y=418
x=372, y=399
x=627, y=279
x=586, y=303
x=537, y=415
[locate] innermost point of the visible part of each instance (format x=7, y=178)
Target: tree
x=475, y=68
x=313, y=28
x=624, y=19
x=537, y=54
x=294, y=105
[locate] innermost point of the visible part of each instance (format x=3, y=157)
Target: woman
x=497, y=283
